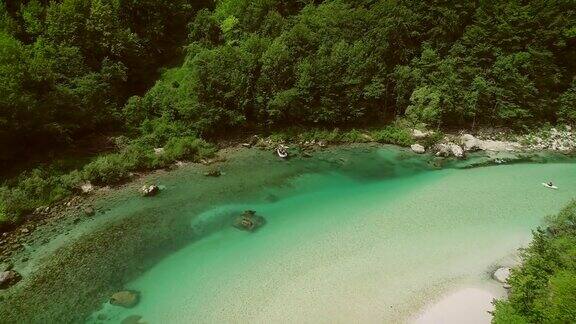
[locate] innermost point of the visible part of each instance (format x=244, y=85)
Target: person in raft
x=550, y=184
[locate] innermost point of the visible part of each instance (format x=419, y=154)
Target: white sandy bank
x=471, y=305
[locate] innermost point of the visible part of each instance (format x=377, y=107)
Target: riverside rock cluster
x=554, y=139
x=562, y=140
x=149, y=190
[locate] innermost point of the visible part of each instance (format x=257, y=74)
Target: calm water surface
x=366, y=238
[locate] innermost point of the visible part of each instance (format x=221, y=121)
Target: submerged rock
x=9, y=278
x=213, y=173
x=249, y=221
x=417, y=148
x=89, y=211
x=132, y=319
x=502, y=274
x=149, y=191
x=126, y=298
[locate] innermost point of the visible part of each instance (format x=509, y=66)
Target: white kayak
x=549, y=186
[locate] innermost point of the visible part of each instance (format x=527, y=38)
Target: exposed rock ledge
x=471, y=143
x=554, y=139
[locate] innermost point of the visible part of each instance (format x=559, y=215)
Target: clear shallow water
x=363, y=241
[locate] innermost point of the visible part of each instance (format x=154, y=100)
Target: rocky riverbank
x=561, y=140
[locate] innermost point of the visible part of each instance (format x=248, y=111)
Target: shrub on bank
x=396, y=134
x=188, y=148
x=111, y=168
x=393, y=134
x=433, y=139
x=544, y=286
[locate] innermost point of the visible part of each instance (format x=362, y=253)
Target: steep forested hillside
x=67, y=67
x=444, y=63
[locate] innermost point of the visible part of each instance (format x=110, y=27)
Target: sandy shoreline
x=468, y=304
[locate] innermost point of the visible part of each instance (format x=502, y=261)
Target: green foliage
x=32, y=189
x=41, y=187
x=66, y=67
x=544, y=286
x=3, y=213
x=507, y=314
x=397, y=134
x=393, y=135
x=111, y=168
x=275, y=63
x=432, y=139
x=189, y=148
x=567, y=111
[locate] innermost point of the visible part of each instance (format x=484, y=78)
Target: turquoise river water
x=367, y=242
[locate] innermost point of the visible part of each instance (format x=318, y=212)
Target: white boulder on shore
x=471, y=143
x=417, y=148
x=449, y=149
x=502, y=274
x=87, y=187
x=418, y=134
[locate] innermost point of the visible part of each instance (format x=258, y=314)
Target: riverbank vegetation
x=41, y=187
x=543, y=288
x=170, y=73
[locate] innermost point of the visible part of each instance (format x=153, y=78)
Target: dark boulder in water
x=249, y=221
x=9, y=278
x=89, y=211
x=126, y=298
x=149, y=191
x=213, y=173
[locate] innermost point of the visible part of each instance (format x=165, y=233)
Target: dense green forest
x=544, y=287
x=167, y=73
x=444, y=63
x=70, y=68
